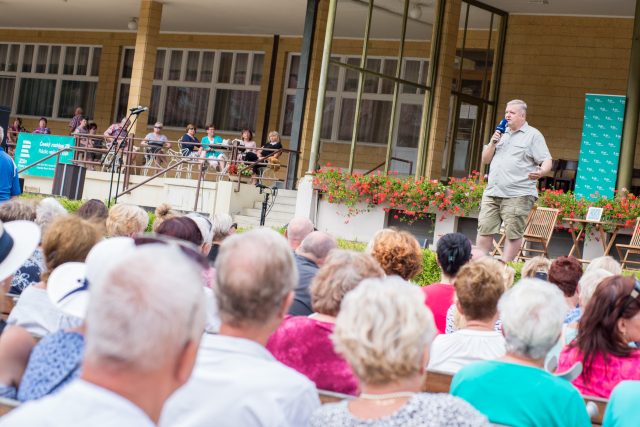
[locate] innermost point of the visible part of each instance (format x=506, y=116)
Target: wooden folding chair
x=499, y=246
x=539, y=230
x=632, y=248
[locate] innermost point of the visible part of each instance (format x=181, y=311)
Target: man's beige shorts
x=512, y=211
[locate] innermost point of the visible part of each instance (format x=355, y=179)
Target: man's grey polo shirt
x=517, y=153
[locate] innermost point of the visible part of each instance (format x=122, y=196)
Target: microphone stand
x=265, y=201
x=116, y=146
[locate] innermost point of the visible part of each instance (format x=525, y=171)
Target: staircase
x=280, y=214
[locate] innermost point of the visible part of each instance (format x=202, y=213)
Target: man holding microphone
x=518, y=157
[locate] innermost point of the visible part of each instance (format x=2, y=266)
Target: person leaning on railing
x=189, y=144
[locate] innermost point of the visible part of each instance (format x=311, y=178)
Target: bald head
x=298, y=228
x=317, y=246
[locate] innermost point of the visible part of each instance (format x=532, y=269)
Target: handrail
x=163, y=171
x=57, y=153
x=396, y=159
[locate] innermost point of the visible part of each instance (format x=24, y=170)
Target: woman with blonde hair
x=303, y=343
x=126, y=220
x=536, y=267
x=384, y=332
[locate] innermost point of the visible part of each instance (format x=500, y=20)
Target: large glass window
x=48, y=80
x=195, y=86
x=375, y=110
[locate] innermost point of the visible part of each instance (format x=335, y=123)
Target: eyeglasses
x=191, y=128
x=157, y=127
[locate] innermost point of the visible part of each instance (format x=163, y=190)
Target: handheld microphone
x=139, y=109
x=502, y=126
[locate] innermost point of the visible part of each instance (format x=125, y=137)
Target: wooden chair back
x=635, y=237
x=437, y=381
x=596, y=407
x=7, y=405
x=541, y=223
x=328, y=396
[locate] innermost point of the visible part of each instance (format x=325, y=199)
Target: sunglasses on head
x=633, y=296
x=187, y=249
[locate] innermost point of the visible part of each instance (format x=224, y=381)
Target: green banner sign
x=600, y=147
x=33, y=147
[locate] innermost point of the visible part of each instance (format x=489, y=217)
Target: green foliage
x=430, y=269
x=351, y=245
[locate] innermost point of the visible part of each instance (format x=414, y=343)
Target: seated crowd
x=196, y=325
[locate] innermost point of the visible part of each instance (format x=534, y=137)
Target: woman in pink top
x=304, y=343
x=611, y=321
x=453, y=251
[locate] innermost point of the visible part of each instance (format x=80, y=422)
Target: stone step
x=284, y=217
x=280, y=199
x=277, y=207
x=245, y=221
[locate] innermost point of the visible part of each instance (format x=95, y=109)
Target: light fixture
x=415, y=11
x=133, y=24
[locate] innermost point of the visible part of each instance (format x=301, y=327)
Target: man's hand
x=495, y=138
x=536, y=174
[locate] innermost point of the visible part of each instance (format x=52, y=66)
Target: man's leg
x=485, y=243
x=511, y=249
x=488, y=223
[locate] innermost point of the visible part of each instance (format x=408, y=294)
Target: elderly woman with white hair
x=384, y=331
x=223, y=227
x=516, y=390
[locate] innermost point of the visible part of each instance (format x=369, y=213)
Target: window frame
x=212, y=85
x=339, y=94
x=58, y=77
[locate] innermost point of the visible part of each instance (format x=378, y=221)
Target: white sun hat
x=18, y=241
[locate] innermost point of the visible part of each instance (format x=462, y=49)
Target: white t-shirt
x=451, y=352
x=79, y=404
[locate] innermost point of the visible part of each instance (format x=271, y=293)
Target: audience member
x=68, y=238
x=611, y=321
x=452, y=251
x=477, y=253
x=397, y=252
x=126, y=220
x=606, y=263
x=93, y=209
x=304, y=343
x=23, y=210
x=270, y=151
x=162, y=213
x=189, y=144
x=216, y=158
x=384, y=330
x=236, y=380
x=20, y=240
x=248, y=151
x=47, y=211
x=76, y=119
x=621, y=409
x=117, y=131
x=95, y=142
x=536, y=267
x=183, y=228
x=42, y=127
x=309, y=257
x=479, y=285
x=133, y=361
x=565, y=273
x=14, y=130
x=515, y=390
x=154, y=142
x=223, y=227
x=9, y=180
x=206, y=230
x=297, y=229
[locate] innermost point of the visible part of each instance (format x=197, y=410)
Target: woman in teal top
x=216, y=158
x=515, y=390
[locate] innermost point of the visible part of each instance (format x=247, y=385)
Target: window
x=377, y=99
x=195, y=86
x=48, y=80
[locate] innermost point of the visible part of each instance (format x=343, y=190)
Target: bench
x=440, y=382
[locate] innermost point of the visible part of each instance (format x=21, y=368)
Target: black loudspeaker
x=5, y=112
x=21, y=180
x=68, y=181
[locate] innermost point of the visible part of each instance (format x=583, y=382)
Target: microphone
x=139, y=109
x=261, y=186
x=502, y=128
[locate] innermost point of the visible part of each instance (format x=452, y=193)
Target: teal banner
x=600, y=147
x=33, y=147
